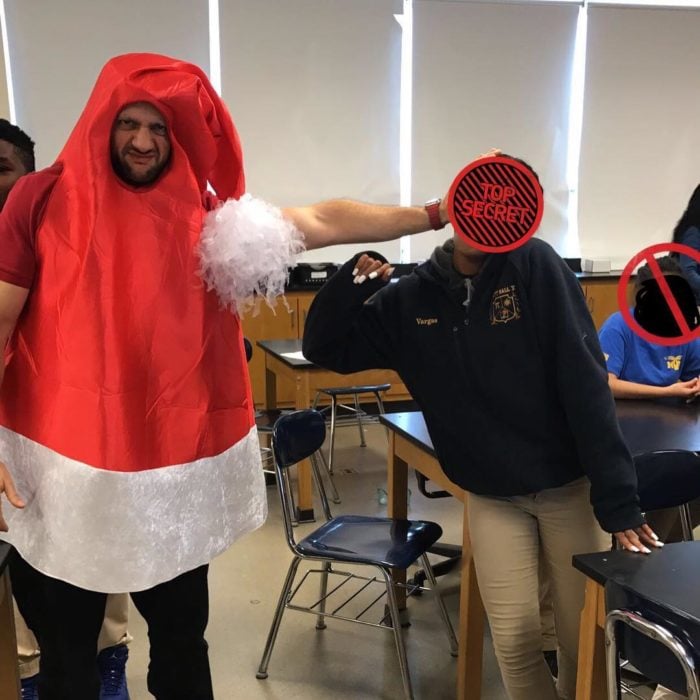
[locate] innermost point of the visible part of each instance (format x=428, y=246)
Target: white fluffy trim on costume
x=128, y=531
x=246, y=250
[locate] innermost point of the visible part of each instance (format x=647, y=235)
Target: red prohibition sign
x=495, y=204
x=647, y=256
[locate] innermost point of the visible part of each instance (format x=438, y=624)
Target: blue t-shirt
x=634, y=359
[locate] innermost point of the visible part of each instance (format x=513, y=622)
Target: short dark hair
x=526, y=164
x=667, y=264
x=651, y=309
x=24, y=146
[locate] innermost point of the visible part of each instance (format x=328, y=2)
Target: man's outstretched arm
x=347, y=221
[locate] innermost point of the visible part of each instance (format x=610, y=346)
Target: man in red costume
x=127, y=433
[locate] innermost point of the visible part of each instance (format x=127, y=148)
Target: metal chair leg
x=380, y=407
x=686, y=522
x=451, y=638
x=290, y=499
x=335, y=497
x=358, y=414
x=398, y=635
x=321, y=621
x=274, y=628
x=331, y=449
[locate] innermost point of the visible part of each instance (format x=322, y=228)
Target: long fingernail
x=354, y=272
x=659, y=543
x=360, y=279
x=646, y=550
x=634, y=549
x=373, y=275
x=654, y=535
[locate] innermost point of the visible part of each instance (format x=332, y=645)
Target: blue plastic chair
x=669, y=479
x=383, y=543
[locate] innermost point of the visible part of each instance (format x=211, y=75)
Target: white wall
x=313, y=86
x=58, y=48
x=641, y=127
x=492, y=75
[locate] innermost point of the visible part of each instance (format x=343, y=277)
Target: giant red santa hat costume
x=126, y=411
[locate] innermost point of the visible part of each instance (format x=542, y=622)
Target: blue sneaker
x=112, y=664
x=30, y=688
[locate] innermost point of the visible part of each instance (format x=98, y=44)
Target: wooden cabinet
x=283, y=323
x=601, y=297
x=279, y=324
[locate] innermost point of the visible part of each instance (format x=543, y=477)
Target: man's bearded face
x=140, y=144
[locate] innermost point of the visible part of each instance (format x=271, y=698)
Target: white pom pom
x=246, y=250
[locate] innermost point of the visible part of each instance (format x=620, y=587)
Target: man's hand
x=369, y=269
x=634, y=540
x=685, y=390
x=7, y=486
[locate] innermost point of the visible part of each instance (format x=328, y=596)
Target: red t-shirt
x=21, y=218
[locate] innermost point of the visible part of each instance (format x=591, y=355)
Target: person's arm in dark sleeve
x=567, y=328
x=690, y=266
x=348, y=327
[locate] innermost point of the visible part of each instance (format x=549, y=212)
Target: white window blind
x=492, y=75
x=313, y=87
x=58, y=48
x=640, y=129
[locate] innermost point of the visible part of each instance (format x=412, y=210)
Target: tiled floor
x=345, y=661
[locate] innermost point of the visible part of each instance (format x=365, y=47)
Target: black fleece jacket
x=509, y=374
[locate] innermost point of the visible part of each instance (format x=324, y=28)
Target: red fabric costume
x=126, y=410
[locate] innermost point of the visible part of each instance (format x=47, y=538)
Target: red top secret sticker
x=495, y=204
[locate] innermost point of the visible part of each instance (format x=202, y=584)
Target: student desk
x=307, y=378
x=9, y=671
x=645, y=426
x=410, y=444
x=651, y=577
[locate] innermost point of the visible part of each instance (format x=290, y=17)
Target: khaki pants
x=511, y=539
x=113, y=632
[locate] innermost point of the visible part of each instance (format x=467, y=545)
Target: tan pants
x=511, y=539
x=113, y=632
x=549, y=635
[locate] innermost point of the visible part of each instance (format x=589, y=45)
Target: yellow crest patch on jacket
x=505, y=305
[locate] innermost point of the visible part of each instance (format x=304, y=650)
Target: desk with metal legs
x=307, y=378
x=645, y=425
x=410, y=445
x=647, y=575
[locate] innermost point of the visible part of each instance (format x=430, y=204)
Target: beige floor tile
x=345, y=661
